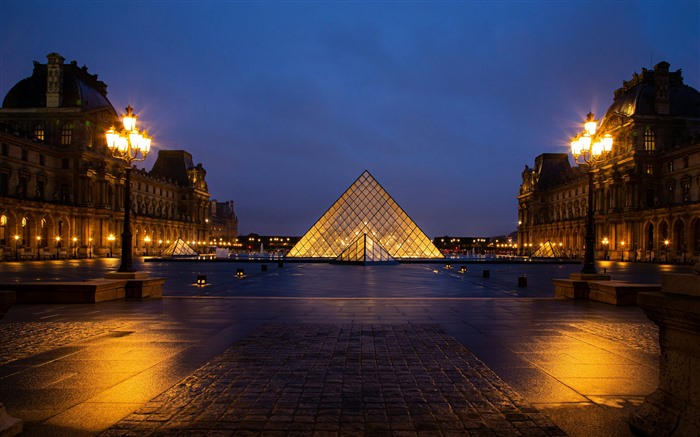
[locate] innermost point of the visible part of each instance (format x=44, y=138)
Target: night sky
x=286, y=103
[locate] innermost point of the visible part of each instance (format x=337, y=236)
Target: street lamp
x=111, y=239
x=75, y=247
x=130, y=146
x=622, y=256
x=605, y=247
x=666, y=243
x=16, y=247
x=146, y=240
x=58, y=242
x=38, y=244
x=589, y=149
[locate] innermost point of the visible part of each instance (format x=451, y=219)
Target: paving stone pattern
x=313, y=379
x=24, y=339
x=641, y=336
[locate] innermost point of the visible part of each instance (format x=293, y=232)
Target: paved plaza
x=230, y=360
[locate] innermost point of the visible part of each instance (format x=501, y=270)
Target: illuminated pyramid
x=549, y=250
x=365, y=209
x=179, y=248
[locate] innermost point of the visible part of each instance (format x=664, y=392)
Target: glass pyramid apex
x=365, y=208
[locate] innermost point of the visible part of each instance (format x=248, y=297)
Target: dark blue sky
x=286, y=103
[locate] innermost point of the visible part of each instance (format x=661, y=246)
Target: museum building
x=62, y=191
x=646, y=190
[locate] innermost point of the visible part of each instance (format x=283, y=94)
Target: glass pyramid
x=365, y=251
x=179, y=248
x=549, y=250
x=365, y=209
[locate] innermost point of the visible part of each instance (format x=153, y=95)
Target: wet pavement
x=301, y=363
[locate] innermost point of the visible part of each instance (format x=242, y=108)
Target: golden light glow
x=111, y=237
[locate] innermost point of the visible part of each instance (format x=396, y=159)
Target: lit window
x=39, y=131
x=649, y=141
x=66, y=134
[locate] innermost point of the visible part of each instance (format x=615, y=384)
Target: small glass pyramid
x=365, y=209
x=549, y=250
x=179, y=248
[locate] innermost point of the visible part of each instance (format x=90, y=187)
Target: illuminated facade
x=61, y=191
x=364, y=209
x=646, y=193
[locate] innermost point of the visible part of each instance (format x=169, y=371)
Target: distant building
x=498, y=245
x=646, y=193
x=61, y=191
x=223, y=224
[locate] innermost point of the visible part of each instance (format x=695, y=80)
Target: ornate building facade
x=62, y=192
x=646, y=192
x=223, y=224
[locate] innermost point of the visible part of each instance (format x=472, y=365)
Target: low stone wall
x=91, y=291
x=674, y=408
x=619, y=292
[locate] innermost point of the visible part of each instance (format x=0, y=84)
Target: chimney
x=54, y=80
x=661, y=80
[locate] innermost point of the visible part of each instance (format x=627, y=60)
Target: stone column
x=674, y=408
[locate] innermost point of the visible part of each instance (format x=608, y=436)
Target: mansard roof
x=80, y=89
x=638, y=96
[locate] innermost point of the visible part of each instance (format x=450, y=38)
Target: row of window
x=66, y=132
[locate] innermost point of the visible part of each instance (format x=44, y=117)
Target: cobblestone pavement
x=24, y=339
x=349, y=379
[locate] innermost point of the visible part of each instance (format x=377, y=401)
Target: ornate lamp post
x=622, y=256
x=58, y=244
x=16, y=247
x=111, y=239
x=38, y=246
x=666, y=243
x=131, y=146
x=589, y=149
x=146, y=240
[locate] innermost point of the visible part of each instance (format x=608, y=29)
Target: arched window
x=39, y=131
x=66, y=134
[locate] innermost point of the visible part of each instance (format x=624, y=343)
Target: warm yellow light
x=622, y=243
x=597, y=148
x=38, y=238
x=112, y=136
x=111, y=237
x=16, y=237
x=145, y=144
x=590, y=125
x=607, y=143
x=58, y=238
x=147, y=239
x=585, y=143
x=135, y=140
x=75, y=239
x=122, y=144
x=666, y=242
x=129, y=119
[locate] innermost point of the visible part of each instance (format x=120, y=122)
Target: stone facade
x=223, y=224
x=646, y=192
x=61, y=191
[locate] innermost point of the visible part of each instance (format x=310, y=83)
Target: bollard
x=522, y=281
x=463, y=269
x=240, y=273
x=201, y=279
x=263, y=268
x=486, y=274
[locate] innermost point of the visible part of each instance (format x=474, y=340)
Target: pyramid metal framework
x=365, y=251
x=179, y=248
x=365, y=209
x=549, y=250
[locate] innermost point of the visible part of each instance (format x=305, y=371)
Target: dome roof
x=639, y=95
x=80, y=89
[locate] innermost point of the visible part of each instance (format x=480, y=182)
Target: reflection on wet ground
x=272, y=279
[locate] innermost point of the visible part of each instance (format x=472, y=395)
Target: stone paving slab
x=348, y=379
